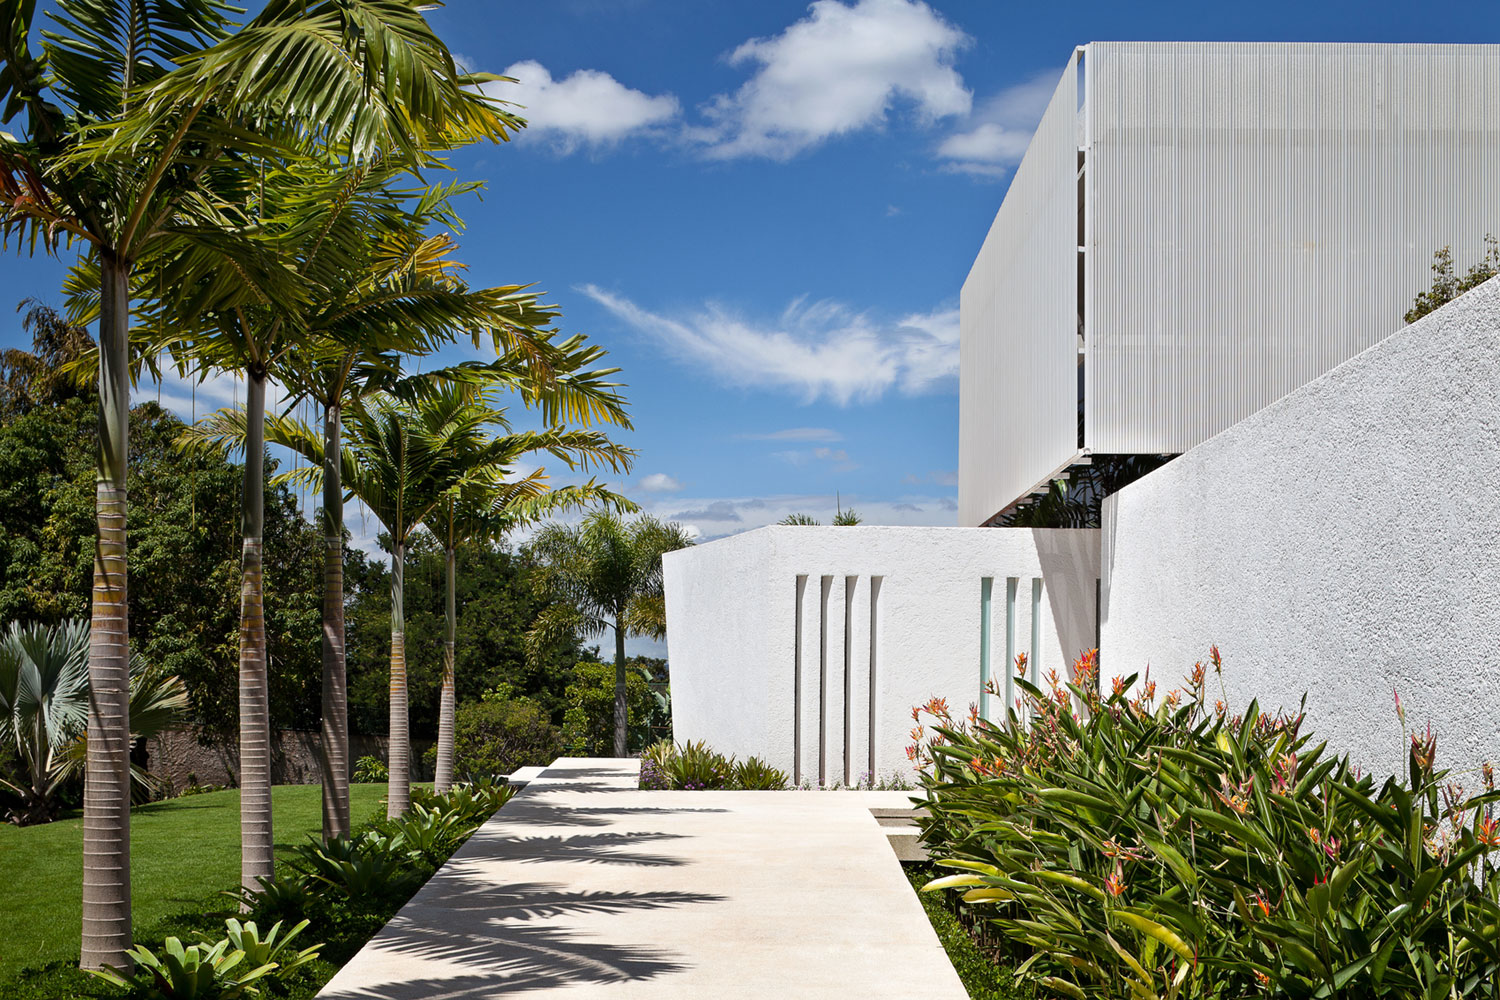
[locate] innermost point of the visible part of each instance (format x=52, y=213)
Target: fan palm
x=135, y=112
x=44, y=695
x=604, y=575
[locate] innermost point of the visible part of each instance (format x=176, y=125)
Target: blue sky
x=765, y=212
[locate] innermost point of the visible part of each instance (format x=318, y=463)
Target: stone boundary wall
x=178, y=754
x=1342, y=542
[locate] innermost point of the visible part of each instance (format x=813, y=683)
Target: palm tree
x=407, y=449
x=44, y=696
x=135, y=113
x=485, y=506
x=359, y=262
x=600, y=575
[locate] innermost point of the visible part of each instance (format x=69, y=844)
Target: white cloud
x=996, y=135
x=838, y=70
x=708, y=518
x=660, y=482
x=813, y=349
x=942, y=477
x=838, y=458
x=797, y=434
x=586, y=108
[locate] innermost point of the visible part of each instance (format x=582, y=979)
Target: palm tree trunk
x=443, y=779
x=256, y=842
x=106, y=794
x=398, y=789
x=333, y=754
x=619, y=687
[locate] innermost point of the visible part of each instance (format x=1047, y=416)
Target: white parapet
x=808, y=646
x=1342, y=542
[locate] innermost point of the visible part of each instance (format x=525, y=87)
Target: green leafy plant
x=754, y=774
x=1125, y=847
x=493, y=738
x=274, y=949
x=589, y=720
x=207, y=971
x=370, y=770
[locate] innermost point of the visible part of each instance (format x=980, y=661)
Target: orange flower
x=1114, y=884
x=1488, y=830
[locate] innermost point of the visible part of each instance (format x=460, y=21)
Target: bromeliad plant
x=1129, y=848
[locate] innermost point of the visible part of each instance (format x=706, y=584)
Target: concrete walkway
x=585, y=886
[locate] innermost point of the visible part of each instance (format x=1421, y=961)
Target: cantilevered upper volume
x=1199, y=228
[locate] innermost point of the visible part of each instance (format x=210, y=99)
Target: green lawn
x=182, y=852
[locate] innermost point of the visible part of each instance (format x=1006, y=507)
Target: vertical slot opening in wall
x=986, y=593
x=1010, y=645
x=849, y=582
x=797, y=684
x=1034, y=667
x=823, y=681
x=875, y=582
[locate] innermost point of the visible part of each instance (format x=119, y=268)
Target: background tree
x=1448, y=285
x=487, y=504
x=603, y=575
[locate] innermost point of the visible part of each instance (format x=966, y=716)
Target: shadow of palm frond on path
x=480, y=928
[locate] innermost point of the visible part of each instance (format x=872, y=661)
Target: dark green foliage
x=496, y=604
x=1447, y=285
x=369, y=770
x=982, y=977
x=589, y=721
x=493, y=738
x=183, y=538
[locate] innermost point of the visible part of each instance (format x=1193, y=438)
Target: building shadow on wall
x=482, y=931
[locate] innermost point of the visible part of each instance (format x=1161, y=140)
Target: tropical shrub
x=376, y=868
x=273, y=950
x=754, y=774
x=193, y=972
x=693, y=766
x=589, y=720
x=1125, y=847
x=493, y=738
x=44, y=697
x=369, y=770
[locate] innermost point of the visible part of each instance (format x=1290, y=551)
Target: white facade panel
x=1018, y=319
x=1341, y=543
x=906, y=600
x=1259, y=213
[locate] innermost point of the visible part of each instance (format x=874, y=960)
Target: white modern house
x=1205, y=252
x=1197, y=229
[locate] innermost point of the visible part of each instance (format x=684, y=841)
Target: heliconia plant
x=1125, y=847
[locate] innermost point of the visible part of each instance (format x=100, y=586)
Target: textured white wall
x=1341, y=542
x=732, y=633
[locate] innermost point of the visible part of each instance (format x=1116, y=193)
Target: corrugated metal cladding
x=1261, y=212
x=1018, y=320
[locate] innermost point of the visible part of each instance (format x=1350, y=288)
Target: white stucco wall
x=732, y=633
x=1342, y=542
